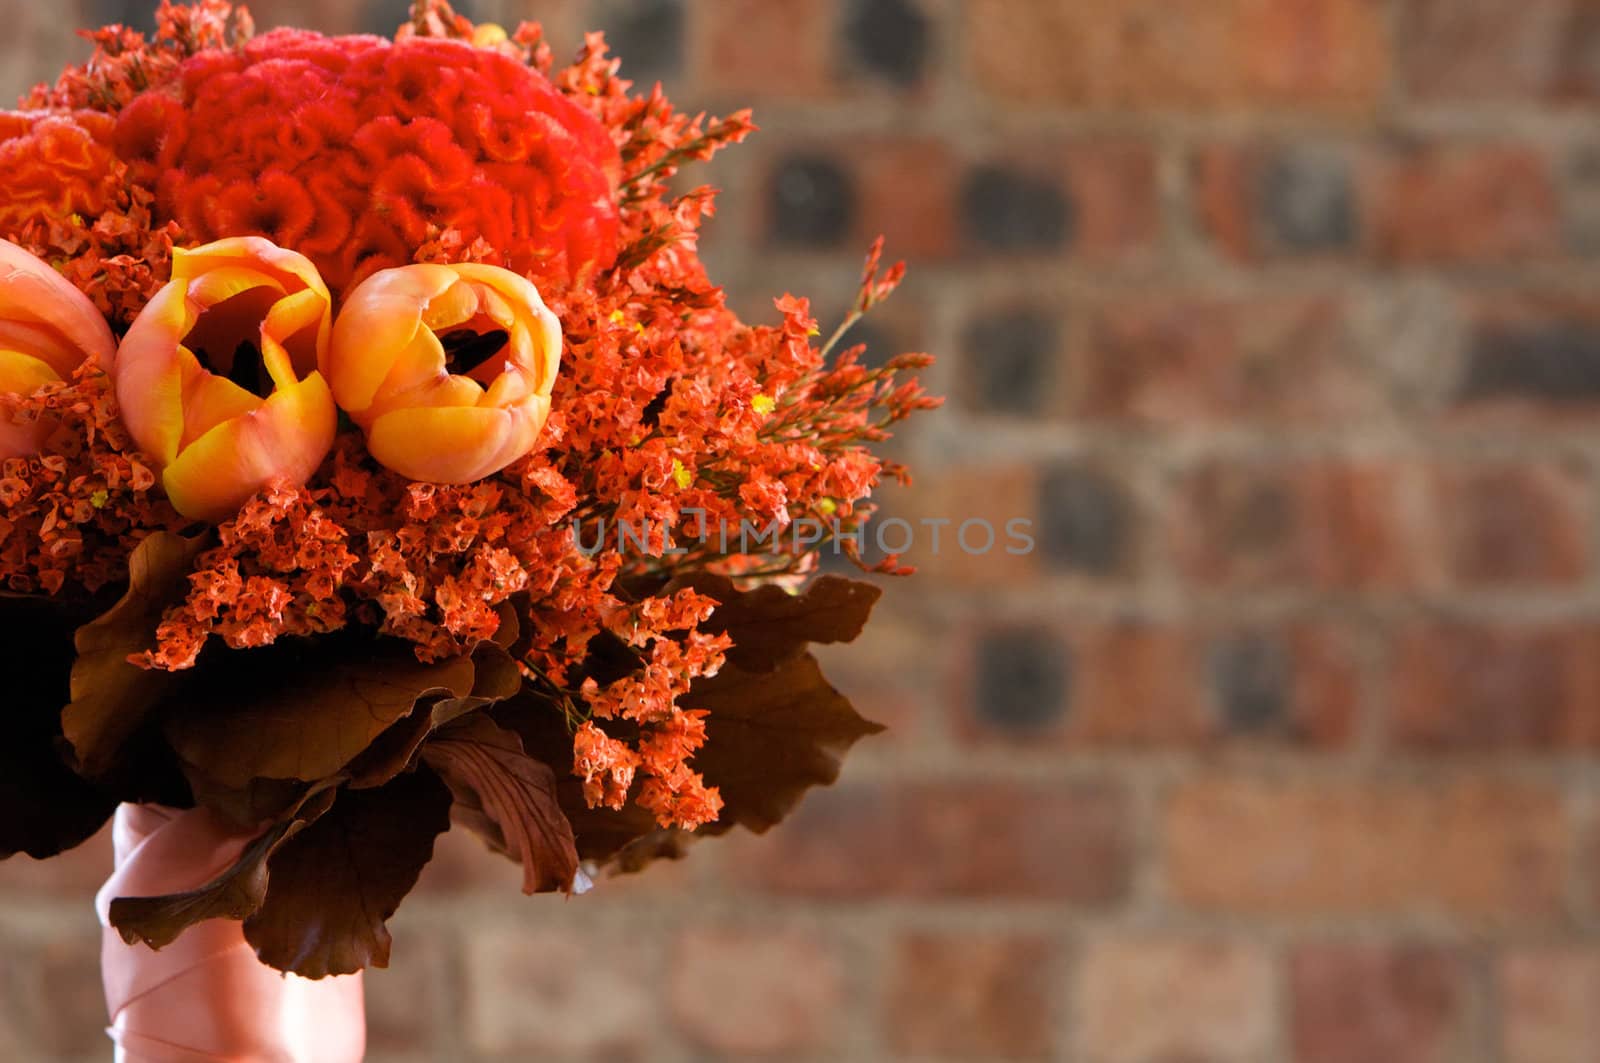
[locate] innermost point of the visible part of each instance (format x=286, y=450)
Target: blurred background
x=1280, y=320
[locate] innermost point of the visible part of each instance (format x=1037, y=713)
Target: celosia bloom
x=448, y=368
x=47, y=329
x=54, y=164
x=218, y=380
x=391, y=144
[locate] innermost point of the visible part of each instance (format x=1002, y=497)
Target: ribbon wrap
x=205, y=998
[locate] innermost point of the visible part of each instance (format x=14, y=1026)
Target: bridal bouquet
x=377, y=455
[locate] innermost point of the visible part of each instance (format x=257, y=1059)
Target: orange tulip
x=217, y=378
x=47, y=329
x=447, y=368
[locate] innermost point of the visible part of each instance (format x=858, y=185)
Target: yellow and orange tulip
x=218, y=376
x=47, y=329
x=447, y=368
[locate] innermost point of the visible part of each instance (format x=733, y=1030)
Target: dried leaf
x=769, y=625
x=302, y=709
x=111, y=698
x=496, y=677
x=234, y=894
x=333, y=885
x=771, y=736
x=508, y=798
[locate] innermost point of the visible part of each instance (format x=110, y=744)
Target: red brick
x=1333, y=525
x=907, y=192
x=972, y=996
x=1180, y=54
x=1360, y=1003
x=1515, y=523
x=1151, y=999
x=747, y=993
x=1454, y=51
x=1067, y=842
x=749, y=49
x=1475, y=847
x=954, y=495
x=1137, y=685
x=1547, y=1004
x=1187, y=359
x=1114, y=196
x=1464, y=204
x=1222, y=185
x=533, y=993
x=1495, y=687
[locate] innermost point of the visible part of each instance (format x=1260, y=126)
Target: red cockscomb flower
x=391, y=144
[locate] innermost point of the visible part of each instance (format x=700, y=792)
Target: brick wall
x=1281, y=320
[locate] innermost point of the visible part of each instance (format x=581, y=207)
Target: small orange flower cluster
x=386, y=426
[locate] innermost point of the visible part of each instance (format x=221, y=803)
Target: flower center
x=466, y=350
x=225, y=340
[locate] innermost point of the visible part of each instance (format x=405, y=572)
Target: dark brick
x=888, y=38
x=1085, y=519
x=1022, y=680
x=1557, y=361
x=646, y=34
x=1250, y=680
x=812, y=202
x=1012, y=355
x=1306, y=200
x=1007, y=210
x=135, y=14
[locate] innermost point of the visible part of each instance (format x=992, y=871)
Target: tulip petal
x=378, y=324
x=286, y=438
x=32, y=293
x=217, y=286
x=283, y=347
x=149, y=374
x=455, y=444
x=208, y=399
x=23, y=374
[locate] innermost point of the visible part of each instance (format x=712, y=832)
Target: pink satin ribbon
x=205, y=998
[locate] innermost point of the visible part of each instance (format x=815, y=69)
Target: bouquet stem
x=205, y=998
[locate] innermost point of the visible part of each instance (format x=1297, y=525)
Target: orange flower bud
x=447, y=368
x=47, y=329
x=217, y=377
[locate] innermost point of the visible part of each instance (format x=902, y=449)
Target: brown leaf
x=508, y=797
x=775, y=729
x=771, y=736
x=45, y=806
x=769, y=625
x=496, y=677
x=111, y=698
x=234, y=894
x=303, y=709
x=333, y=885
